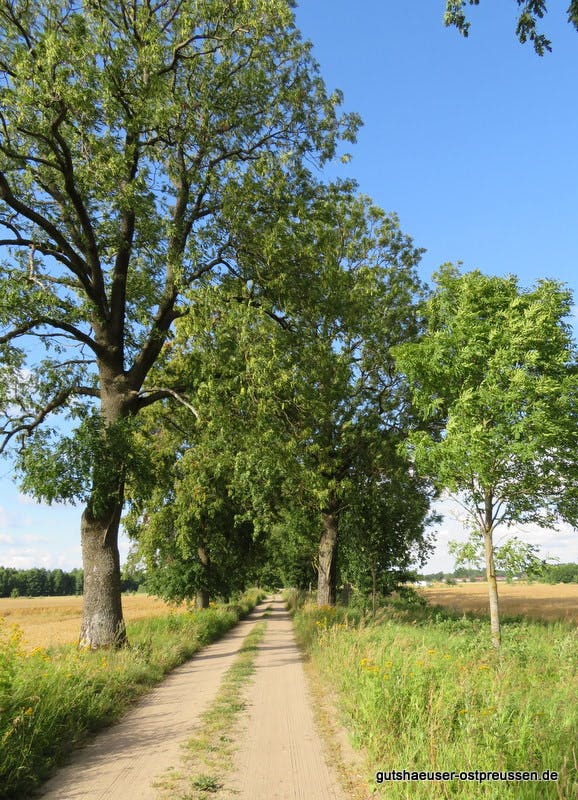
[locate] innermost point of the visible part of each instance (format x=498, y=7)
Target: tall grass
x=51, y=699
x=423, y=691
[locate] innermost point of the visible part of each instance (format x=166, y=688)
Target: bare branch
x=43, y=248
x=76, y=263
x=27, y=428
x=57, y=402
x=29, y=326
x=127, y=230
x=149, y=396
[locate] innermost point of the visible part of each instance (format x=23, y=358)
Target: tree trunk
x=327, y=570
x=102, y=620
x=203, y=591
x=491, y=572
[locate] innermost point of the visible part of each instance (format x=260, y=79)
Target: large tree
x=531, y=11
x=495, y=370
x=317, y=386
x=124, y=125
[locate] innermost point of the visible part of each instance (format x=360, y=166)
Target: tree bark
x=202, y=600
x=491, y=572
x=327, y=570
x=102, y=620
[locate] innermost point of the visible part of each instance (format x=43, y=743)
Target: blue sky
x=472, y=142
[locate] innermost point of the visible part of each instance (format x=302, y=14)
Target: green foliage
x=292, y=381
x=130, y=131
x=52, y=700
x=384, y=524
x=527, y=23
x=512, y=558
x=419, y=692
x=495, y=372
x=560, y=573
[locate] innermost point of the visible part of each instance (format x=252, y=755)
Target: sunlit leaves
x=495, y=367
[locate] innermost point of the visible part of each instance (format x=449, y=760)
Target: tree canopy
x=303, y=410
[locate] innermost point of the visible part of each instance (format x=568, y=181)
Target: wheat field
x=534, y=600
x=52, y=621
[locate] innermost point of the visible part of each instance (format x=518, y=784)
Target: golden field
x=51, y=621
x=535, y=600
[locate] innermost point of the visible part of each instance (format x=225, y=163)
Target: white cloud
x=31, y=538
x=25, y=558
x=4, y=519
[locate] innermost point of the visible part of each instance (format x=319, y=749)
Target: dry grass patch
x=533, y=600
x=53, y=621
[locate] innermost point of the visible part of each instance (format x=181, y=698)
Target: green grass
x=422, y=690
x=51, y=700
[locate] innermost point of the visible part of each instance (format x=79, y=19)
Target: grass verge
x=204, y=765
x=422, y=691
x=51, y=700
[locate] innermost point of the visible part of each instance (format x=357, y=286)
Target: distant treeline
x=39, y=582
x=552, y=573
x=560, y=573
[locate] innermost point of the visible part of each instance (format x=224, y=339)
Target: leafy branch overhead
x=527, y=25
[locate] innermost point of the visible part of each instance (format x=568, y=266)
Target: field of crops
x=50, y=621
x=534, y=600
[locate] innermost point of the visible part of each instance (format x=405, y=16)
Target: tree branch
x=120, y=272
x=27, y=327
x=57, y=402
x=149, y=396
x=76, y=264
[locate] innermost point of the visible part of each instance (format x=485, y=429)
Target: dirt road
x=124, y=761
x=280, y=755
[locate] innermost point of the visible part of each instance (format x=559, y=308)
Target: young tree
x=526, y=27
x=495, y=369
x=124, y=125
